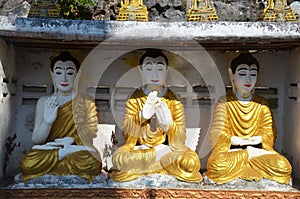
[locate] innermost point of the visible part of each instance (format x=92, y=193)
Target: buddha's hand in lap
x=162, y=150
x=149, y=106
x=61, y=142
x=65, y=141
x=235, y=140
x=58, y=143
x=50, y=109
x=255, y=152
x=163, y=115
x=141, y=147
x=68, y=149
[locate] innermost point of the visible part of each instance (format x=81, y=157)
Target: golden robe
x=181, y=162
x=233, y=118
x=83, y=163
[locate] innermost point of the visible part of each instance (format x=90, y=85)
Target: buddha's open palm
x=50, y=109
x=149, y=107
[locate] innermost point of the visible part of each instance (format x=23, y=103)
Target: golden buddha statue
x=278, y=10
x=154, y=129
x=243, y=132
x=202, y=10
x=65, y=125
x=132, y=10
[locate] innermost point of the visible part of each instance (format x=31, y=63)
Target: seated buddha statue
x=243, y=132
x=154, y=129
x=65, y=125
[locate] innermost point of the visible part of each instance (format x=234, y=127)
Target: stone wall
x=7, y=105
x=160, y=10
x=291, y=146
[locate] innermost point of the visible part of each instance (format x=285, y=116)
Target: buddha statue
x=65, y=125
x=132, y=10
x=278, y=10
x=154, y=129
x=243, y=132
x=202, y=10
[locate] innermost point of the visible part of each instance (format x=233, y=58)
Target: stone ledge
x=89, y=30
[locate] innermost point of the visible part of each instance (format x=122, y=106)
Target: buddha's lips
x=154, y=80
x=64, y=85
x=247, y=85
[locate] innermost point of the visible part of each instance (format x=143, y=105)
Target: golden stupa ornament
x=44, y=8
x=132, y=10
x=202, y=10
x=278, y=10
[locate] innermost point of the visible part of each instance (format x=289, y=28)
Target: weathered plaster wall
x=7, y=105
x=33, y=70
x=291, y=116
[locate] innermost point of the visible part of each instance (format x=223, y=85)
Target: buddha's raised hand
x=149, y=106
x=50, y=109
x=163, y=115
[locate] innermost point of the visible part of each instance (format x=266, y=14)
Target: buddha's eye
x=70, y=72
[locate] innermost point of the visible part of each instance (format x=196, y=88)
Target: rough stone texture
x=296, y=6
x=106, y=10
x=151, y=181
x=160, y=10
x=166, y=10
x=18, y=8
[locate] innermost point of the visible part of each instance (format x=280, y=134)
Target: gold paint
x=233, y=118
x=132, y=10
x=40, y=162
x=278, y=10
x=202, y=10
x=44, y=8
x=182, y=162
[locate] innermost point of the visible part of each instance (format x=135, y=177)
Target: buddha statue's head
x=153, y=66
x=243, y=75
x=64, y=69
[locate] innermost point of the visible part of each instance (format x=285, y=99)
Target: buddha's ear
x=76, y=81
x=140, y=68
x=231, y=77
x=52, y=78
x=51, y=74
x=78, y=75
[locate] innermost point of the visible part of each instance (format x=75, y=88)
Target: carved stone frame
x=142, y=193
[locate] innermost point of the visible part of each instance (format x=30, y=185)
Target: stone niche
x=200, y=54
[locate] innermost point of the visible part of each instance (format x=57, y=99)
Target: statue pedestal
x=141, y=193
x=208, y=14
x=152, y=186
x=286, y=14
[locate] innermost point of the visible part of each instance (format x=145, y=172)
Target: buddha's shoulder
x=84, y=97
x=260, y=99
x=138, y=93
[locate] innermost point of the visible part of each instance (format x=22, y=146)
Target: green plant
x=76, y=9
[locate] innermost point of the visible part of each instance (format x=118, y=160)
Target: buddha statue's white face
x=244, y=80
x=63, y=76
x=154, y=71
